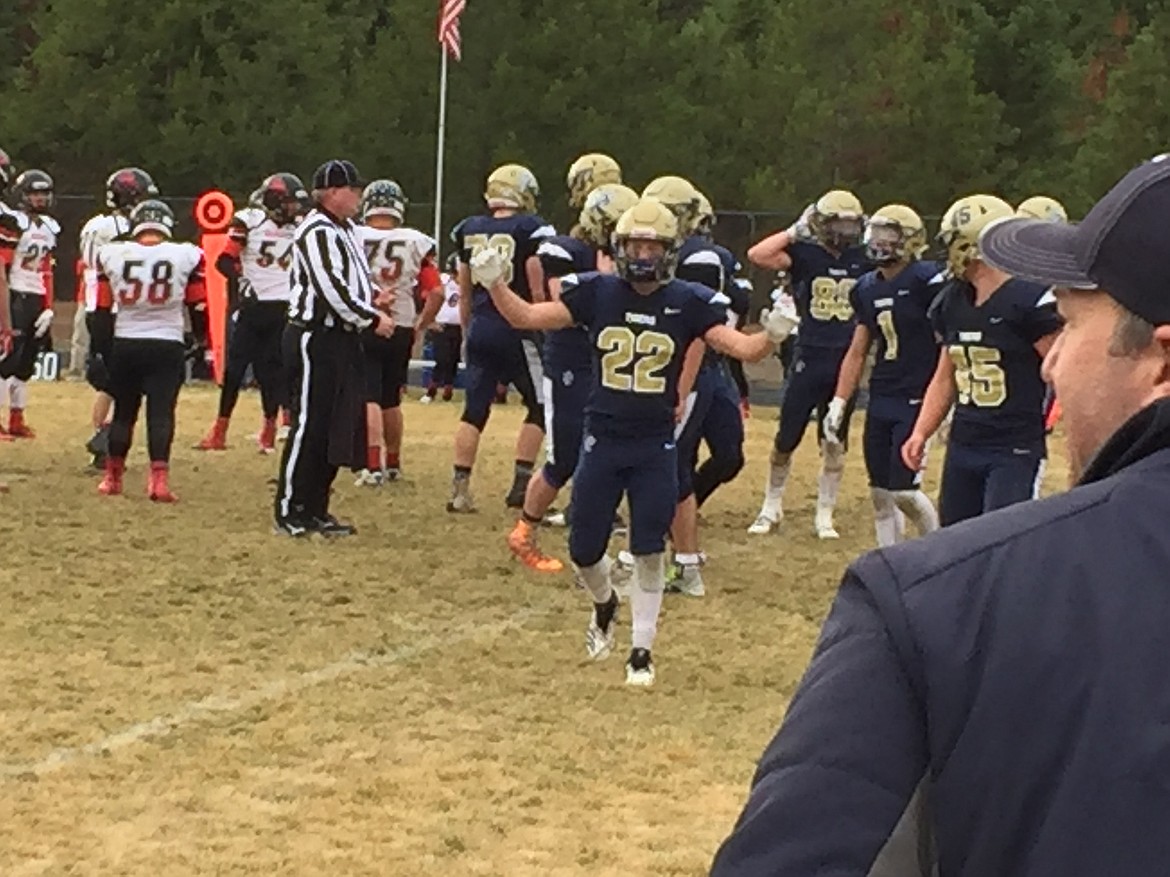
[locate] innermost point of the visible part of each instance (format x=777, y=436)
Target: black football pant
x=22, y=361
x=256, y=341
x=150, y=368
x=326, y=377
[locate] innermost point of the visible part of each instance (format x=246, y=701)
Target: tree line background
x=763, y=104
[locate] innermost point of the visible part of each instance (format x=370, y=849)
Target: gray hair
x=1131, y=334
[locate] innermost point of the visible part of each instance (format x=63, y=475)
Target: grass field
x=183, y=693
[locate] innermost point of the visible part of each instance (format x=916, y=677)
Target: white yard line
x=226, y=703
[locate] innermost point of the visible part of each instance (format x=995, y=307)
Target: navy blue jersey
x=701, y=260
x=639, y=343
x=1000, y=399
x=821, y=284
x=517, y=237
x=567, y=349
x=895, y=313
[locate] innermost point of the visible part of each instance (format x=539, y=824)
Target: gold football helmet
x=587, y=173
x=895, y=233
x=679, y=196
x=1042, y=207
x=649, y=220
x=512, y=187
x=960, y=227
x=837, y=219
x=603, y=208
x=705, y=219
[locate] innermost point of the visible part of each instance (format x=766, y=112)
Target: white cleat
x=824, y=525
x=764, y=524
x=461, y=502
x=688, y=581
x=602, y=631
x=556, y=519
x=640, y=669
x=426, y=400
x=368, y=478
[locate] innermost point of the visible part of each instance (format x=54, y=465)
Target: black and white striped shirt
x=330, y=278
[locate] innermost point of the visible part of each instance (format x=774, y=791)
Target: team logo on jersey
x=588, y=444
x=642, y=319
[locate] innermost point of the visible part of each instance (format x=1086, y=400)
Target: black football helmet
x=33, y=191
x=384, y=198
x=127, y=186
x=283, y=197
x=152, y=215
x=6, y=171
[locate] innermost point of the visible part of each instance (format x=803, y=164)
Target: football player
x=568, y=364
x=28, y=243
x=1042, y=207
x=823, y=257
x=891, y=303
x=587, y=173
x=402, y=266
x=257, y=259
x=150, y=278
x=439, y=323
x=641, y=322
x=995, y=332
x=6, y=175
x=125, y=188
x=496, y=353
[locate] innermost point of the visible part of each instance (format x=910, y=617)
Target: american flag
x=449, y=13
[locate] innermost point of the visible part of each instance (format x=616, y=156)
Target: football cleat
x=293, y=529
x=17, y=428
x=461, y=501
x=392, y=473
x=764, y=524
x=824, y=524
x=111, y=484
x=426, y=399
x=216, y=438
x=368, y=478
x=555, y=518
x=266, y=440
x=522, y=543
x=640, y=668
x=601, y=634
x=687, y=580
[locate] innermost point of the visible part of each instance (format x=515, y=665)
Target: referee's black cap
x=337, y=173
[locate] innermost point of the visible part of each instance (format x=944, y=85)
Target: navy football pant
x=646, y=471
x=714, y=418
x=810, y=389
x=976, y=481
x=888, y=423
x=565, y=394
x=498, y=355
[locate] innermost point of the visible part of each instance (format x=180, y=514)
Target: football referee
x=330, y=303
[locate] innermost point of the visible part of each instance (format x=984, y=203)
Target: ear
x=1162, y=344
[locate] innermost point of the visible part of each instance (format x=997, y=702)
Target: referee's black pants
x=326, y=383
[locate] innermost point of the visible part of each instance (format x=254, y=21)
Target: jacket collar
x=1144, y=434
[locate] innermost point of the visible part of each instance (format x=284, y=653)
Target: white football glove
x=487, y=267
x=43, y=323
x=778, y=324
x=801, y=230
x=834, y=420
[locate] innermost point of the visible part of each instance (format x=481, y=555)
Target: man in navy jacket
x=994, y=699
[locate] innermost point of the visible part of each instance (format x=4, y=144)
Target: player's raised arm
x=752, y=348
x=488, y=269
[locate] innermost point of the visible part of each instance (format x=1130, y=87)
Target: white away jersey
x=32, y=238
x=449, y=312
x=150, y=285
x=265, y=252
x=396, y=257
x=95, y=234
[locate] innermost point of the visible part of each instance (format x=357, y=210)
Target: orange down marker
x=213, y=213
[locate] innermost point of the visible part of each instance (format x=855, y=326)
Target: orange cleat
x=522, y=543
x=158, y=488
x=112, y=482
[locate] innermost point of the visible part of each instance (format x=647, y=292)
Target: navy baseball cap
x=337, y=173
x=1119, y=248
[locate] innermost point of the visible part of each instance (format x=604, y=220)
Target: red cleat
x=267, y=437
x=17, y=428
x=112, y=482
x=216, y=440
x=158, y=488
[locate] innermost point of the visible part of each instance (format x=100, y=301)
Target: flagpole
x=440, y=148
